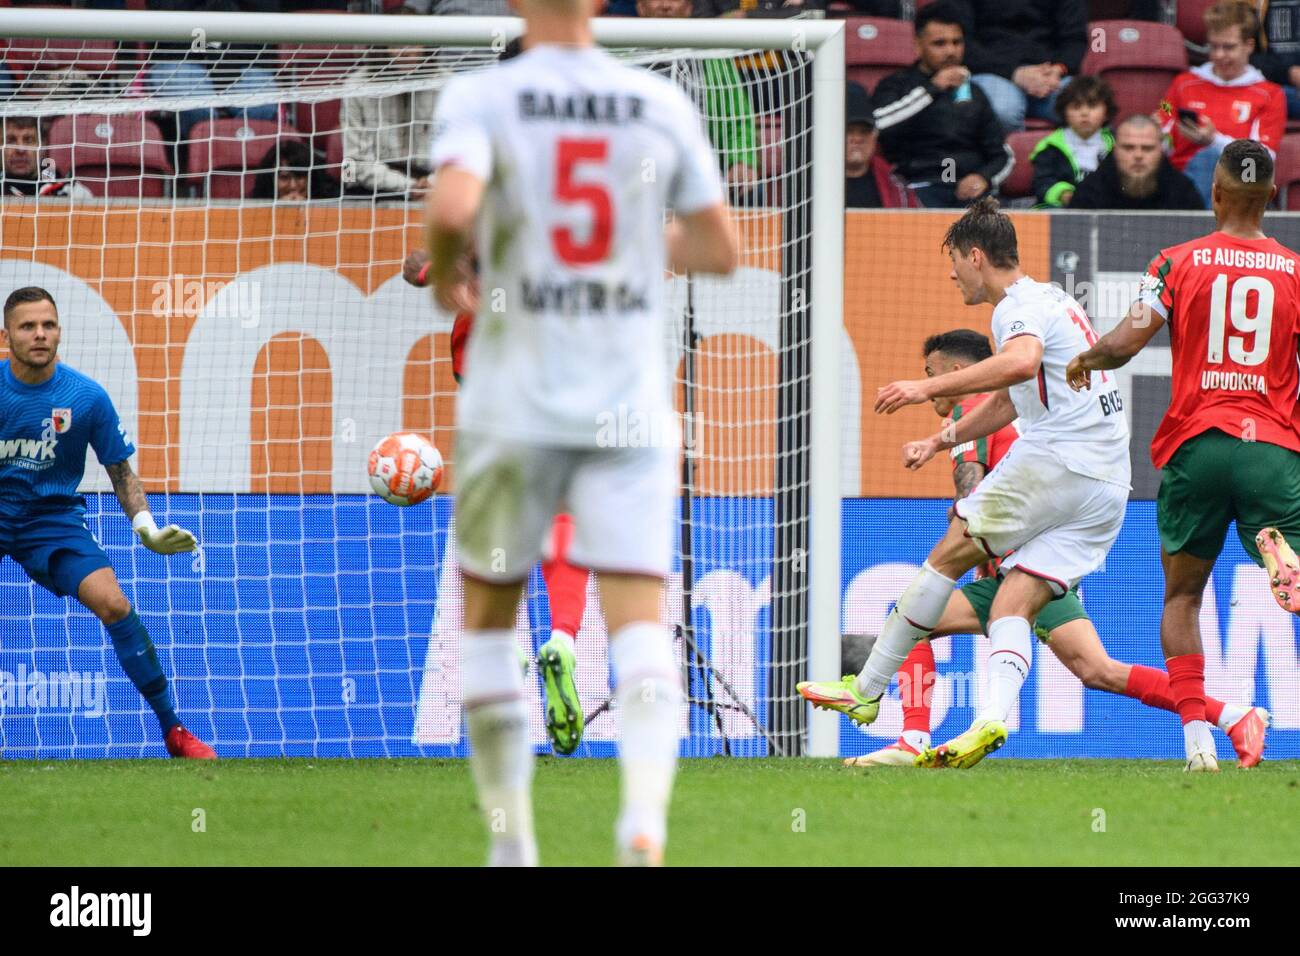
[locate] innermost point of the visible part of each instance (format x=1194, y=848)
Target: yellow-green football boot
x=841, y=695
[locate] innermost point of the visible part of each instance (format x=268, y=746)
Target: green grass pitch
x=725, y=812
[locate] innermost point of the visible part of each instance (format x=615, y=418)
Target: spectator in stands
x=1021, y=51
x=935, y=125
x=295, y=177
x=23, y=173
x=1062, y=158
x=729, y=113
x=386, y=138
x=1209, y=106
x=177, y=70
x=869, y=183
x=1278, y=53
x=1136, y=175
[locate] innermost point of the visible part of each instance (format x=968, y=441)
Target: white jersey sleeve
x=1020, y=319
x=697, y=184
x=460, y=133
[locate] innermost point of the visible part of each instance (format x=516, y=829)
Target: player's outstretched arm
x=1116, y=347
x=1017, y=362
x=997, y=411
x=703, y=241
x=130, y=495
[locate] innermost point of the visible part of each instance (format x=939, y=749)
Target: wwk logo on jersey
x=61, y=419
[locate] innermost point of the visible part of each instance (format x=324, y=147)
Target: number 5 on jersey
x=571, y=188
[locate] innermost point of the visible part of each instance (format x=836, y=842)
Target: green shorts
x=1058, y=611
x=1214, y=479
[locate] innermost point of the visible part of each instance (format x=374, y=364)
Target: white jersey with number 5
x=581, y=155
x=1086, y=430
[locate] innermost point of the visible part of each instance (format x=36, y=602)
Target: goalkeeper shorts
x=56, y=550
x=623, y=502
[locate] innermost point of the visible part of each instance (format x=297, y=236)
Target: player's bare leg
x=100, y=594
x=496, y=713
x=1180, y=636
x=915, y=616
x=1077, y=645
x=648, y=693
x=1011, y=638
x=1283, y=568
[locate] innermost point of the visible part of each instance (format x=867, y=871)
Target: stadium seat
x=227, y=154
x=1021, y=181
x=111, y=155
x=1287, y=173
x=1190, y=20
x=1139, y=60
x=876, y=47
x=317, y=120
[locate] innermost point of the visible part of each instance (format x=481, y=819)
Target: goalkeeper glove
x=172, y=539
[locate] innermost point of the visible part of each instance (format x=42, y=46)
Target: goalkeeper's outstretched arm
x=130, y=495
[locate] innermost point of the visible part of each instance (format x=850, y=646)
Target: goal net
x=221, y=206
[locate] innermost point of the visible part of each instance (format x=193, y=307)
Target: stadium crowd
x=1037, y=101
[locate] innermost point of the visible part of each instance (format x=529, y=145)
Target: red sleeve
x=1169, y=103
x=1272, y=119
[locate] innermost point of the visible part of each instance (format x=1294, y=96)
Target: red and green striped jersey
x=987, y=451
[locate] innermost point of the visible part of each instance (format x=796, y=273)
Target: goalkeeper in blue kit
x=49, y=414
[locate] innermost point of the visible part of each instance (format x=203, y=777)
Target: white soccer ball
x=405, y=469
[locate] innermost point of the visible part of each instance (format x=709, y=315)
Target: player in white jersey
x=558, y=165
x=1050, y=509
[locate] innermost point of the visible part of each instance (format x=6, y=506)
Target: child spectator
x=1062, y=158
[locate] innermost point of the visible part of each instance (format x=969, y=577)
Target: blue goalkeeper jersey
x=44, y=431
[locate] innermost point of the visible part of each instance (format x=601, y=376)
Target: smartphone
x=1190, y=117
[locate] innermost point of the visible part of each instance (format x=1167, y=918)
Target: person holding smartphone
x=1225, y=99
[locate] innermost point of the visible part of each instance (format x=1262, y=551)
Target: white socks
x=1011, y=649
x=918, y=740
x=1199, y=738
x=649, y=695
x=915, y=615
x=1230, y=715
x=501, y=753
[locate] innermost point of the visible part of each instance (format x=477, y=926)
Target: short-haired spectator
x=936, y=126
x=1136, y=175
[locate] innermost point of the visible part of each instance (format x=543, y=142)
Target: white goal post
x=818, y=301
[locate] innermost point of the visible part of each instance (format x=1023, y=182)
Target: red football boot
x=181, y=743
x=1247, y=736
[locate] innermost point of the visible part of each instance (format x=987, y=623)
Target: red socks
x=566, y=585
x=1151, y=686
x=915, y=680
x=1187, y=686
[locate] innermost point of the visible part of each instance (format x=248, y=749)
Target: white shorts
x=1057, y=524
x=623, y=502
